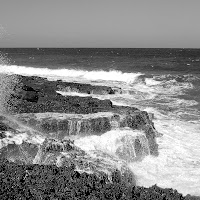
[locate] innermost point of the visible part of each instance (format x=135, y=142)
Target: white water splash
x=110, y=141
x=64, y=74
x=13, y=138
x=178, y=163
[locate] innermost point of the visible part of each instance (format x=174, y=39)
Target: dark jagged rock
x=109, y=176
x=36, y=94
x=84, y=88
x=52, y=182
x=52, y=145
x=65, y=153
x=2, y=135
x=67, y=86
x=63, y=125
x=128, y=148
x=30, y=94
x=140, y=120
x=67, y=125
x=3, y=127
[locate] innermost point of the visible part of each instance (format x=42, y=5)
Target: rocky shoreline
x=46, y=124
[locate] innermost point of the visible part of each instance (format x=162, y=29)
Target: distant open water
x=165, y=82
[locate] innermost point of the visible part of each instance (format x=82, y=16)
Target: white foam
x=178, y=163
x=108, y=142
x=71, y=73
x=73, y=94
x=171, y=87
x=150, y=81
x=13, y=138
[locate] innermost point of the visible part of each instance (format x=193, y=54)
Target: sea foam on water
x=178, y=163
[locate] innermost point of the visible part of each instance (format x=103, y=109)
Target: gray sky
x=100, y=23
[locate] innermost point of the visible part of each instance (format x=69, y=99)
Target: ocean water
x=165, y=82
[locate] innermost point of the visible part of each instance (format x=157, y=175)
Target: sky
x=100, y=23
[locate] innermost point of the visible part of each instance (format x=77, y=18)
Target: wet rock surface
x=38, y=95
x=19, y=153
x=60, y=170
x=69, y=125
x=65, y=153
x=66, y=86
x=40, y=111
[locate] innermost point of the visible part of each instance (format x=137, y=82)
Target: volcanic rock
x=65, y=153
x=57, y=125
x=40, y=96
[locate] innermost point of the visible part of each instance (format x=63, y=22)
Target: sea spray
x=65, y=74
x=19, y=132
x=8, y=87
x=121, y=143
x=178, y=163
x=7, y=84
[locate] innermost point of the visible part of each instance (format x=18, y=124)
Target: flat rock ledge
x=38, y=95
x=50, y=165
x=61, y=126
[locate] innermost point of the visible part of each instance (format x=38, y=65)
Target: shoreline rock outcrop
x=63, y=125
x=65, y=153
x=38, y=95
x=52, y=182
x=38, y=108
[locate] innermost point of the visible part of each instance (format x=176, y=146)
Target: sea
x=165, y=82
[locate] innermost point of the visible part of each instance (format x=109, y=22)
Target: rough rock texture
x=67, y=86
x=35, y=94
x=52, y=182
x=131, y=147
x=62, y=126
x=65, y=125
x=38, y=95
x=65, y=153
x=85, y=88
x=34, y=161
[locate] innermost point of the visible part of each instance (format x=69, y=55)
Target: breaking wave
x=112, y=75
x=178, y=163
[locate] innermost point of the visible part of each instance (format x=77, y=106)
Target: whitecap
x=65, y=74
